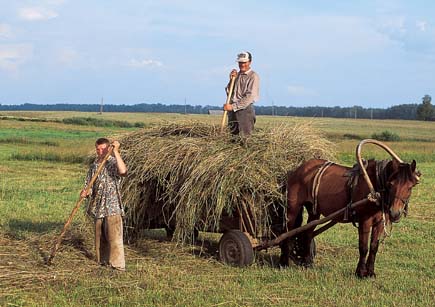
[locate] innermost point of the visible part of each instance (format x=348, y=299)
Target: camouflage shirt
x=105, y=197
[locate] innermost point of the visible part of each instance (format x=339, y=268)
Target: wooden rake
x=230, y=93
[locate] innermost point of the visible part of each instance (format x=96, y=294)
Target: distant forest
x=404, y=111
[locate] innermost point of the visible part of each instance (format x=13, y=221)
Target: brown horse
x=323, y=188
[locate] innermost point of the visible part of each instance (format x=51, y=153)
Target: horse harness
x=354, y=174
x=316, y=183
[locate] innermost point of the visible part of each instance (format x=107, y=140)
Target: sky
x=368, y=53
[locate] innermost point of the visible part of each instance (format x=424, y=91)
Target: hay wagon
x=243, y=230
x=189, y=176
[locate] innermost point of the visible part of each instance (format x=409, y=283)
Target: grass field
x=42, y=172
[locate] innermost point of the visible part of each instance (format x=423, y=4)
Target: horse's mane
x=401, y=171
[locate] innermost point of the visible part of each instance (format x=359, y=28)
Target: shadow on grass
x=18, y=226
x=263, y=258
x=206, y=246
x=203, y=247
x=73, y=238
x=207, y=249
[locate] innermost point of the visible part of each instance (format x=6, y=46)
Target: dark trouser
x=242, y=122
x=109, y=245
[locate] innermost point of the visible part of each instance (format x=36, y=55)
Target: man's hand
x=228, y=107
x=83, y=193
x=116, y=145
x=233, y=73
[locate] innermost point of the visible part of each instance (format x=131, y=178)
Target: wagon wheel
x=235, y=248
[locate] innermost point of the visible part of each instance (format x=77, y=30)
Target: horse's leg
x=363, y=234
x=307, y=240
x=285, y=253
x=294, y=219
x=374, y=245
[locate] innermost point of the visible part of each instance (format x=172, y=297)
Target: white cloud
x=414, y=36
x=421, y=25
x=323, y=36
x=36, y=13
x=5, y=31
x=393, y=25
x=144, y=63
x=13, y=56
x=55, y=2
x=67, y=56
x=298, y=90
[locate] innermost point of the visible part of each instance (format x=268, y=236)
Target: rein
x=404, y=201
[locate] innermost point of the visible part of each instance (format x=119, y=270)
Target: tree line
x=423, y=111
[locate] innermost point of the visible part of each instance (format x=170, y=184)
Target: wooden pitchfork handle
x=77, y=206
x=230, y=93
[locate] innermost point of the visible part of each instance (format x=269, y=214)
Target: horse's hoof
x=361, y=273
x=307, y=265
x=371, y=274
x=283, y=261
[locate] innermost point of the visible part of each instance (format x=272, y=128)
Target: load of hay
x=188, y=176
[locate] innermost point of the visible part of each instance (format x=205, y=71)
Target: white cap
x=244, y=57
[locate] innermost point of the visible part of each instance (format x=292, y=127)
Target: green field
x=42, y=171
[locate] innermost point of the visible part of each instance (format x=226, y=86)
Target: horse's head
x=400, y=181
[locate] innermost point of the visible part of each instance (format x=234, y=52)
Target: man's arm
x=122, y=168
x=251, y=94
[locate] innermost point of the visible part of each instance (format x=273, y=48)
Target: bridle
x=405, y=202
x=385, y=199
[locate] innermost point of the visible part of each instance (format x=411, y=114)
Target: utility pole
x=273, y=109
x=185, y=107
x=101, y=105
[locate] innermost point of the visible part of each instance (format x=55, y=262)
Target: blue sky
x=326, y=53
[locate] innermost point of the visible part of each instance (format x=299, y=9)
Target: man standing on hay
x=241, y=113
x=105, y=204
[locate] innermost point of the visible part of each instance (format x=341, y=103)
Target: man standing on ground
x=241, y=113
x=105, y=205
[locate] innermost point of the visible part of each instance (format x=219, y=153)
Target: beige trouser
x=109, y=246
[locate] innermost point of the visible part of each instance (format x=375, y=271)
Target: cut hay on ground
x=189, y=175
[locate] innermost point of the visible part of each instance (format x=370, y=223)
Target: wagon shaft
x=313, y=224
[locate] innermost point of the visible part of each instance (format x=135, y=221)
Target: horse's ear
x=413, y=166
x=415, y=172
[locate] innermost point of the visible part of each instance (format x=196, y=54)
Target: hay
x=189, y=176
x=23, y=262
